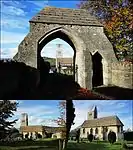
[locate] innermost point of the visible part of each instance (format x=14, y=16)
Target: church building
x=100, y=127
x=39, y=131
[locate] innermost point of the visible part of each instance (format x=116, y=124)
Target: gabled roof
x=104, y=121
x=40, y=128
x=33, y=128
x=65, y=60
x=65, y=16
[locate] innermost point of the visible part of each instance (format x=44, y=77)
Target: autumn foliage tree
x=117, y=18
x=7, y=109
x=61, y=121
x=66, y=117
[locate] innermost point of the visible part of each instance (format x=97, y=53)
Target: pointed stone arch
x=85, y=35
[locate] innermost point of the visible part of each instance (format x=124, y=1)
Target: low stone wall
x=122, y=74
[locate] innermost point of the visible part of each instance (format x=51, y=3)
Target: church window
x=90, y=114
x=121, y=129
x=83, y=130
x=91, y=131
x=96, y=131
x=118, y=129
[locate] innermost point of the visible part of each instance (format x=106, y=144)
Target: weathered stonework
x=122, y=74
x=75, y=26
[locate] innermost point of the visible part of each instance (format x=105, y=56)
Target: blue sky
x=40, y=112
x=15, y=16
x=122, y=108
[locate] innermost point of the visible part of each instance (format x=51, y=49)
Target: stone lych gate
x=83, y=32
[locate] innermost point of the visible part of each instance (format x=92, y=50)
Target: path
x=117, y=93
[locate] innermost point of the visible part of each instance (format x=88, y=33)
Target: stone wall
x=100, y=133
x=122, y=74
x=86, y=39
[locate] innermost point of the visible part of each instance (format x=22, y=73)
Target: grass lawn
x=93, y=146
x=48, y=144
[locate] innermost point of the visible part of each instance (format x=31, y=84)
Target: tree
x=70, y=115
x=66, y=118
x=90, y=137
x=112, y=137
x=78, y=135
x=7, y=109
x=61, y=121
x=117, y=18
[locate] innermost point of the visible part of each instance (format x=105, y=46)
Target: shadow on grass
x=51, y=143
x=93, y=146
x=116, y=92
x=85, y=146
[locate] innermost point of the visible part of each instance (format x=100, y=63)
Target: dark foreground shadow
x=19, y=81
x=117, y=93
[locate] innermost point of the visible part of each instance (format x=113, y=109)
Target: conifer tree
x=7, y=108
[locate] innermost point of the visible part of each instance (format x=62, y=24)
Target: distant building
x=36, y=131
x=65, y=62
x=100, y=127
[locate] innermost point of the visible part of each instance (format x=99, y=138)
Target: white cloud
x=37, y=115
x=8, y=52
x=12, y=10
x=40, y=4
x=14, y=23
x=11, y=37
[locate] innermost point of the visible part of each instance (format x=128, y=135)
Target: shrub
x=112, y=137
x=128, y=136
x=54, y=136
x=90, y=137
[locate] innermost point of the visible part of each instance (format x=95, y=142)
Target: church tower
x=24, y=119
x=92, y=114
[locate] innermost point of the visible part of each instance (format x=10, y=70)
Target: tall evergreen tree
x=7, y=108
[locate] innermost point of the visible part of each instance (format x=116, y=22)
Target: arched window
x=83, y=130
x=91, y=131
x=96, y=131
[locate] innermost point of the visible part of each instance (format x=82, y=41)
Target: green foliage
x=7, y=109
x=117, y=18
x=128, y=136
x=112, y=137
x=90, y=137
x=52, y=61
x=78, y=135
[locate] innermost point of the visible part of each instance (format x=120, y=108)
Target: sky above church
x=15, y=16
x=122, y=108
x=43, y=112
x=40, y=112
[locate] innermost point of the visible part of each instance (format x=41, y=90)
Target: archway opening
x=59, y=50
x=97, y=78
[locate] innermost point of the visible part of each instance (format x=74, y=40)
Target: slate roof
x=65, y=16
x=104, y=121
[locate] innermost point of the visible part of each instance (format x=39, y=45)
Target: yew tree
x=117, y=18
x=66, y=118
x=7, y=109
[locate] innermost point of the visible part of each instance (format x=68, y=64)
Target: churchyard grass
x=93, y=146
x=47, y=144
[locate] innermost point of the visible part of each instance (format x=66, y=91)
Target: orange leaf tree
x=117, y=18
